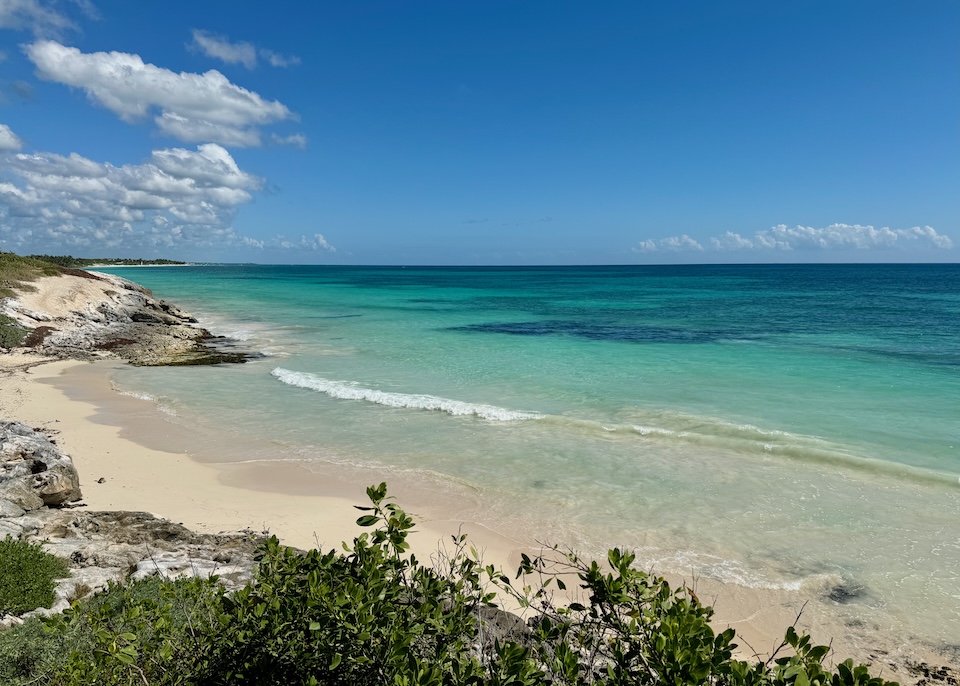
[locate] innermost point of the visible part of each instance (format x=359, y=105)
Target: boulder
x=33, y=471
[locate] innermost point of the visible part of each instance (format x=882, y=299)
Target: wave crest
x=349, y=390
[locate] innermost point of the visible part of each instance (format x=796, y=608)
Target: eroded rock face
x=33, y=472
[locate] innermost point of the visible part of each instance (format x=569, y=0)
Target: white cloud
x=9, y=141
x=314, y=242
x=221, y=48
x=34, y=16
x=296, y=139
x=178, y=197
x=785, y=238
x=193, y=107
x=277, y=60
x=241, y=52
x=671, y=244
x=835, y=236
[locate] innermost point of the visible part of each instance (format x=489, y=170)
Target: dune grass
x=16, y=272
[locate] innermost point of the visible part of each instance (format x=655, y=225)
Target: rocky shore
x=90, y=315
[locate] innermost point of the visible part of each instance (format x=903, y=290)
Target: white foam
x=157, y=402
x=348, y=390
x=139, y=396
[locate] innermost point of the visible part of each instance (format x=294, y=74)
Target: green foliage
x=28, y=652
x=27, y=576
x=154, y=631
x=374, y=615
x=12, y=333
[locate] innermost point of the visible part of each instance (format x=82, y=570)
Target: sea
x=791, y=427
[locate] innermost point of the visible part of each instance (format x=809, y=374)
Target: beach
x=213, y=478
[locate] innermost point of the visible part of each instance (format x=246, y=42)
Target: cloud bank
x=241, y=52
x=177, y=197
x=784, y=238
x=192, y=107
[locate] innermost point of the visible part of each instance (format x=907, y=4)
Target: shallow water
x=790, y=426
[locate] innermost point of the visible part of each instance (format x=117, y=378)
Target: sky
x=481, y=132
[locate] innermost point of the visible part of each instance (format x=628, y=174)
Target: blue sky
x=490, y=132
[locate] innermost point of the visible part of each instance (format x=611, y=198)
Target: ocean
x=789, y=427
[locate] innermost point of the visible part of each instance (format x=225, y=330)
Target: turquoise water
x=789, y=426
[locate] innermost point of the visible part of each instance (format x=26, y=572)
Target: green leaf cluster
x=372, y=614
x=28, y=576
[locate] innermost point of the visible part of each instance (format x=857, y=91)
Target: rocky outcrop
x=100, y=315
x=38, y=483
x=33, y=472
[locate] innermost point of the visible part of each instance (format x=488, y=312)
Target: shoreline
x=148, y=465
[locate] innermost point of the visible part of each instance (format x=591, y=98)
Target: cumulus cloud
x=671, y=244
x=9, y=141
x=33, y=16
x=192, y=107
x=177, y=197
x=241, y=52
x=785, y=238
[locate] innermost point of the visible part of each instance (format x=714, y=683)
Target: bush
x=27, y=576
x=12, y=333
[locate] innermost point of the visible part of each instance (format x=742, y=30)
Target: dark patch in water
x=846, y=592
x=539, y=483
x=604, y=332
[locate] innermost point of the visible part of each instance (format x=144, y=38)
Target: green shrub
x=27, y=576
x=12, y=333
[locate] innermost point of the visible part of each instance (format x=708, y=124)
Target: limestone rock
x=101, y=315
x=33, y=472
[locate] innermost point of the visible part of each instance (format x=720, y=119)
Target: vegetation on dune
x=16, y=272
x=374, y=615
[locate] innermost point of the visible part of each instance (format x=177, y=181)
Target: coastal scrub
x=27, y=576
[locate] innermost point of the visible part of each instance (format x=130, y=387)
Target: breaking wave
x=349, y=390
